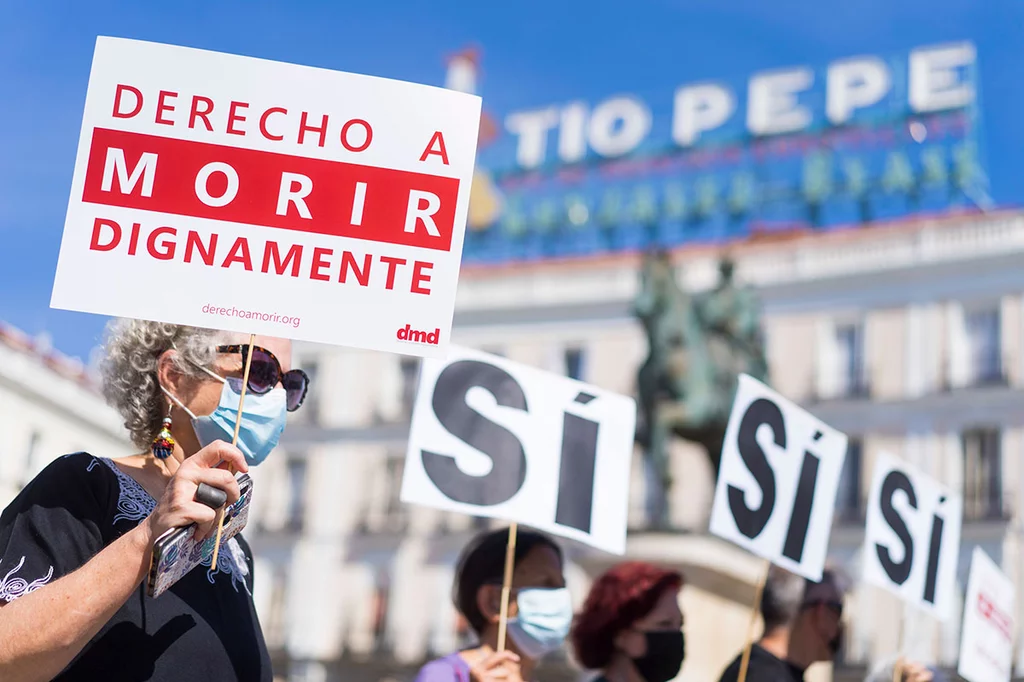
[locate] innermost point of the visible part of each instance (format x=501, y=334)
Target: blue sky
x=533, y=53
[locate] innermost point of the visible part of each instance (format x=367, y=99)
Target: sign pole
x=506, y=584
x=745, y=660
x=234, y=441
x=897, y=668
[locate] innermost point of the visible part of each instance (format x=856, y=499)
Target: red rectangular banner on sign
x=202, y=180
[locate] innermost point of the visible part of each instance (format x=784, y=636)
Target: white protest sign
x=495, y=438
x=777, y=480
x=986, y=644
x=254, y=196
x=912, y=539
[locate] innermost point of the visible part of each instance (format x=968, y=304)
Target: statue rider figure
x=697, y=347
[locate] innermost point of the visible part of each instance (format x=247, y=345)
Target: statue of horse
x=697, y=347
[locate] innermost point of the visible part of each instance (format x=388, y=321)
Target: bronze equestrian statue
x=699, y=344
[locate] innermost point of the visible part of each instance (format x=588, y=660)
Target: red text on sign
x=268, y=256
x=217, y=182
x=407, y=333
x=272, y=123
x=994, y=615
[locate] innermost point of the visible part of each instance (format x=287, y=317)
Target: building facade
x=50, y=405
x=907, y=336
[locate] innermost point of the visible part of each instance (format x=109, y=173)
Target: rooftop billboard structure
x=860, y=139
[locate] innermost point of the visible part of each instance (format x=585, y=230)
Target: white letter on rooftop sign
x=572, y=134
x=289, y=193
x=699, y=108
x=772, y=106
x=532, y=128
x=144, y=169
x=935, y=83
x=854, y=84
x=618, y=125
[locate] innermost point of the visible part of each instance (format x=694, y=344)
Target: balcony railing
x=991, y=376
x=856, y=388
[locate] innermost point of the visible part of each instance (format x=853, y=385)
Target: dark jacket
x=763, y=667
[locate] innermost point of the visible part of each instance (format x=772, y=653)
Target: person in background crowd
x=630, y=627
x=539, y=610
x=912, y=672
x=75, y=544
x=802, y=625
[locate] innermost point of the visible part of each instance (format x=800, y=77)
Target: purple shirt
x=451, y=668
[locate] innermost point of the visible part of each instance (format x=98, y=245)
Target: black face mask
x=664, y=658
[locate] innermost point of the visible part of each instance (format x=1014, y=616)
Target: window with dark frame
x=852, y=375
x=395, y=513
x=983, y=329
x=575, y=366
x=983, y=475
x=849, y=500
x=296, y=493
x=381, y=606
x=410, y=369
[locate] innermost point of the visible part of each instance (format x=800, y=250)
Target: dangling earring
x=163, y=444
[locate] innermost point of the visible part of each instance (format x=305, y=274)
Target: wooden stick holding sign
x=806, y=462
x=745, y=660
x=234, y=441
x=506, y=584
x=897, y=667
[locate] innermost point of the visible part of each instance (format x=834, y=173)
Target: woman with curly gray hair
x=76, y=544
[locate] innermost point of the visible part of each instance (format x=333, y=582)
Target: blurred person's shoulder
x=450, y=668
x=763, y=667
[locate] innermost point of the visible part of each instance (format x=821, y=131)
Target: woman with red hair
x=631, y=628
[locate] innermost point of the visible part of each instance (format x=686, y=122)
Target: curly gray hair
x=129, y=369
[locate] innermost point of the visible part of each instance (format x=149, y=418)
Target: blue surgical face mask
x=263, y=420
x=543, y=621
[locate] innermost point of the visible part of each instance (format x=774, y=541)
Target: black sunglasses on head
x=265, y=373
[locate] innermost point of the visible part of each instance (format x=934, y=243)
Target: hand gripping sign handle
x=234, y=441
x=745, y=660
x=506, y=584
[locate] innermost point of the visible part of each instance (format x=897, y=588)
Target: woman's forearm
x=42, y=632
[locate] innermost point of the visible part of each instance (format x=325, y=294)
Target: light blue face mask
x=543, y=621
x=263, y=419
